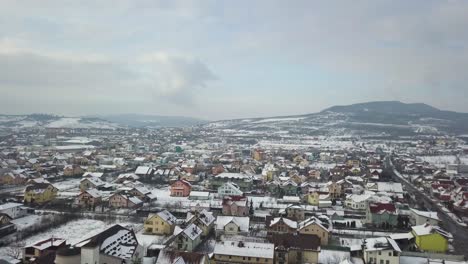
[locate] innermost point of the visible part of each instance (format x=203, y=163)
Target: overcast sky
x=225, y=59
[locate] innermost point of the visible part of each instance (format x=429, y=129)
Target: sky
x=229, y=59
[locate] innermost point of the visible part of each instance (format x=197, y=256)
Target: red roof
x=376, y=208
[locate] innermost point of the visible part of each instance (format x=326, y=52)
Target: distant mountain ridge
x=377, y=118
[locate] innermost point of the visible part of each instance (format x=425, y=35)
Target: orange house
x=181, y=188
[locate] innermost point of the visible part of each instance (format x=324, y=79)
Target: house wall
x=156, y=225
x=314, y=229
x=68, y=259
x=382, y=257
x=432, y=243
x=14, y=212
x=231, y=229
x=90, y=255
x=226, y=259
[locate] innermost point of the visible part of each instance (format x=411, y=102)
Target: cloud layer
x=217, y=59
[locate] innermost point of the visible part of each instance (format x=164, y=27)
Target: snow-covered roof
x=93, y=174
x=230, y=175
x=427, y=229
x=288, y=222
x=242, y=222
x=394, y=187
x=245, y=249
x=166, y=216
x=142, y=170
x=310, y=221
x=381, y=243
x=192, y=231
x=9, y=205
x=50, y=242
x=94, y=193
x=431, y=215
x=199, y=194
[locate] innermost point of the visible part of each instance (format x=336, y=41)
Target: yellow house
x=431, y=238
x=162, y=223
x=314, y=226
x=40, y=193
x=313, y=198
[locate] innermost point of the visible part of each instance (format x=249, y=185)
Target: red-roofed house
x=381, y=215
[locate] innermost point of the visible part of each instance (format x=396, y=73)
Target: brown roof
x=295, y=241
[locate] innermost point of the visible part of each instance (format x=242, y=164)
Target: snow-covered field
x=73, y=232
x=67, y=184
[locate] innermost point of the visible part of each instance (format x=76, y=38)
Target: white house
x=13, y=210
x=357, y=201
x=232, y=225
x=381, y=250
x=422, y=217
x=229, y=189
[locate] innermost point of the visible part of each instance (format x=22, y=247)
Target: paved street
x=460, y=233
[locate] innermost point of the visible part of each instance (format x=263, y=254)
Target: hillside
x=385, y=118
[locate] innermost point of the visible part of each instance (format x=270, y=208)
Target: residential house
x=168, y=256
x=122, y=200
x=289, y=188
x=295, y=248
x=314, y=226
x=280, y=225
x=357, y=201
x=72, y=170
x=418, y=217
x=232, y=225
x=203, y=219
x=381, y=215
x=431, y=238
x=243, y=181
x=141, y=192
x=91, y=183
x=114, y=245
x=44, y=249
x=162, y=223
x=6, y=226
x=40, y=193
x=335, y=190
x=235, y=206
x=90, y=198
x=381, y=250
x=14, y=210
x=235, y=252
x=181, y=188
x=188, y=238
x=229, y=189
x=295, y=212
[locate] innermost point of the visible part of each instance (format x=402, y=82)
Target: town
x=211, y=194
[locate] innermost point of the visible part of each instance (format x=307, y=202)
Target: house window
x=387, y=262
x=380, y=253
x=381, y=261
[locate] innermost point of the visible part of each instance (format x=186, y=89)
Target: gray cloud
x=27, y=75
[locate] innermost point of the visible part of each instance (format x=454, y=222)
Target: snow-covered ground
x=333, y=256
x=67, y=184
x=28, y=221
x=72, y=231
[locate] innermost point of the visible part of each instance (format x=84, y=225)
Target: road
x=459, y=232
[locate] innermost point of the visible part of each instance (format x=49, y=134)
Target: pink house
x=119, y=200
x=181, y=188
x=235, y=206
